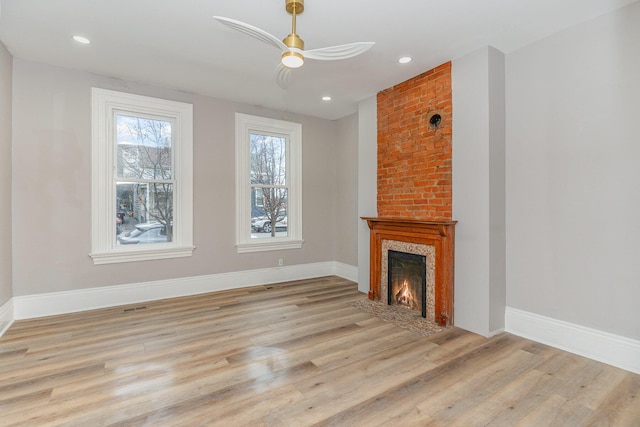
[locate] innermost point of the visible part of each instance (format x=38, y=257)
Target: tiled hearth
x=435, y=240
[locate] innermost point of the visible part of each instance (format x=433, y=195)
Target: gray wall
x=479, y=190
x=51, y=186
x=367, y=183
x=5, y=174
x=346, y=190
x=497, y=196
x=573, y=175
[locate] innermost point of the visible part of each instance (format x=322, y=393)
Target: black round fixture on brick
x=435, y=120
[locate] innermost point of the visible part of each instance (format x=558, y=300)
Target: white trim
x=292, y=132
x=604, y=347
x=494, y=333
x=6, y=316
x=104, y=104
x=272, y=244
x=142, y=255
x=349, y=272
x=30, y=306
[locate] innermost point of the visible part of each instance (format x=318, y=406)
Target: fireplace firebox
x=407, y=281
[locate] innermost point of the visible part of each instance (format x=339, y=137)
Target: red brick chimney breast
x=414, y=147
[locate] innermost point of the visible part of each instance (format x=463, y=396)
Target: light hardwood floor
x=297, y=354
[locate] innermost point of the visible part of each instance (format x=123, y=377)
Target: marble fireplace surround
x=435, y=240
x=416, y=249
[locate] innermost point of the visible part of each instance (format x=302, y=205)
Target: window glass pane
x=145, y=233
x=144, y=148
x=258, y=199
x=272, y=211
x=268, y=159
x=144, y=207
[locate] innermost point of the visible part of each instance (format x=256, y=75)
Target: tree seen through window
x=268, y=182
x=144, y=177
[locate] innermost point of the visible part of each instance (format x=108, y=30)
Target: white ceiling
x=177, y=44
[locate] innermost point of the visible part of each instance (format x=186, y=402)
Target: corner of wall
x=6, y=180
x=6, y=316
x=367, y=176
x=479, y=190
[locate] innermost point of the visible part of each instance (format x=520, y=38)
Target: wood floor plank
x=622, y=406
x=296, y=353
x=557, y=411
x=29, y=385
x=428, y=396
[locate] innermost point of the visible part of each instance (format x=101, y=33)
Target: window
x=141, y=178
x=268, y=185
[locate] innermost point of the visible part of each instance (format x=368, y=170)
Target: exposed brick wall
x=414, y=159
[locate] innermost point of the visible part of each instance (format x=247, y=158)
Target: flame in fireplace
x=405, y=297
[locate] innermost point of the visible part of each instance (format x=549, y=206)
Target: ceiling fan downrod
x=293, y=59
x=294, y=7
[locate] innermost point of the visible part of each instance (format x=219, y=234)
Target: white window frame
x=105, y=105
x=292, y=132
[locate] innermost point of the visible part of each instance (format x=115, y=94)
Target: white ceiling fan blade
x=283, y=74
x=252, y=31
x=333, y=53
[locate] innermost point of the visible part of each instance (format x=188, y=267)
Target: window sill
x=268, y=246
x=140, y=255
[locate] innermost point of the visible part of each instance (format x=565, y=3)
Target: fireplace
x=407, y=281
x=432, y=239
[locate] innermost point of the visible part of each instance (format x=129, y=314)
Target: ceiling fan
x=292, y=47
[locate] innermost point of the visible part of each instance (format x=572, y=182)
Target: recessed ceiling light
x=405, y=59
x=326, y=98
x=81, y=39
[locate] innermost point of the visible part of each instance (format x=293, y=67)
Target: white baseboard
x=6, y=316
x=346, y=271
x=31, y=306
x=495, y=332
x=604, y=347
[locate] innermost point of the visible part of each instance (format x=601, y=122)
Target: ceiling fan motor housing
x=293, y=40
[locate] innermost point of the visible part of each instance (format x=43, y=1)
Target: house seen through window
x=142, y=189
x=144, y=180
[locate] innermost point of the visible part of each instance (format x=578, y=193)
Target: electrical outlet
x=280, y=262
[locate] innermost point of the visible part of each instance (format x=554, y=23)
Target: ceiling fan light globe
x=292, y=60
